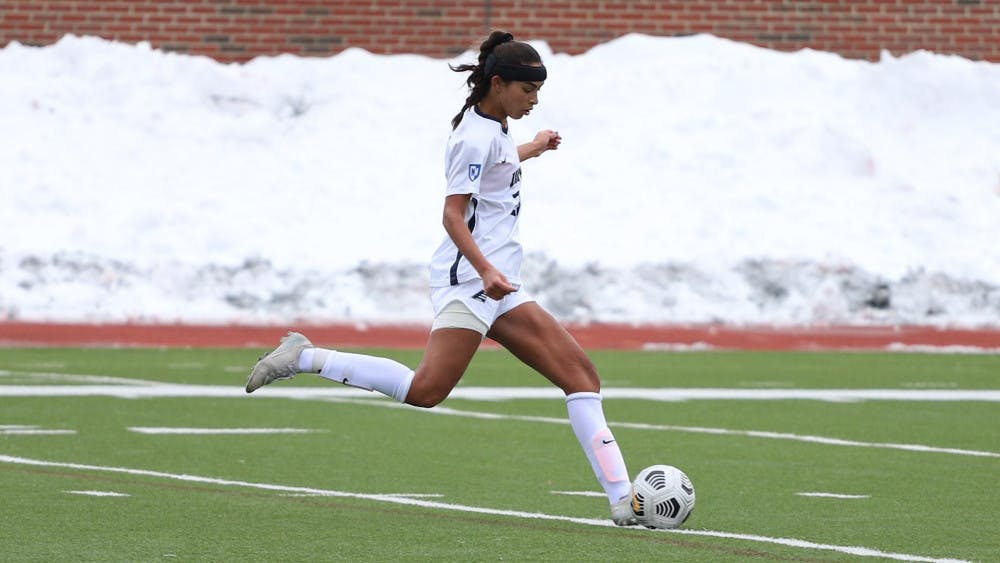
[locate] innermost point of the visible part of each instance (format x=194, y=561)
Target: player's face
x=525, y=97
x=518, y=98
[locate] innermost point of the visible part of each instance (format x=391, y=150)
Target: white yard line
x=448, y=411
x=220, y=431
x=579, y=493
x=152, y=389
x=76, y=377
x=395, y=499
x=338, y=393
x=37, y=432
x=949, y=349
x=833, y=495
x=397, y=495
x=97, y=493
x=811, y=439
x=23, y=430
x=677, y=347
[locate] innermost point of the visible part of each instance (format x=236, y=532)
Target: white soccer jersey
x=481, y=159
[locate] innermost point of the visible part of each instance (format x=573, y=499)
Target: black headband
x=523, y=73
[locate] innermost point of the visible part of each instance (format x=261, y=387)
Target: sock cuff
x=402, y=388
x=306, y=360
x=583, y=395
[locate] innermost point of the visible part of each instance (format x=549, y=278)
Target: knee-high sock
x=386, y=376
x=586, y=416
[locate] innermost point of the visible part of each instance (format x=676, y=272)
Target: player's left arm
x=546, y=140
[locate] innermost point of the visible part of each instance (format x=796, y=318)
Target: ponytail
x=511, y=52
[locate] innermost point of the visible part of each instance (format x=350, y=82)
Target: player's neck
x=493, y=109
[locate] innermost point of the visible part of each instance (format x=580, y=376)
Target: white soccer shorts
x=453, y=304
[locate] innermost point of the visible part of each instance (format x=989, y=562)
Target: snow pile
x=700, y=180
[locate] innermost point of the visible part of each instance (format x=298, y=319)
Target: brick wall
x=237, y=30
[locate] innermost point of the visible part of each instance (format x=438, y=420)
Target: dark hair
x=506, y=51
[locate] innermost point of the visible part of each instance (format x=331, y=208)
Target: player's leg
x=446, y=356
x=296, y=354
x=449, y=350
x=456, y=334
x=538, y=340
x=448, y=353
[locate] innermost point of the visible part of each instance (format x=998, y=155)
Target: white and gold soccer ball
x=662, y=497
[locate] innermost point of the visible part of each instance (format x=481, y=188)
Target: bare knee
x=424, y=400
x=424, y=393
x=583, y=377
x=590, y=376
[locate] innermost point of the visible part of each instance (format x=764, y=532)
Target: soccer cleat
x=280, y=363
x=622, y=513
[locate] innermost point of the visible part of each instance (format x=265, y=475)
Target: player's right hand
x=495, y=284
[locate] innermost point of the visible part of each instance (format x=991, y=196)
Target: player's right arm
x=495, y=284
x=546, y=140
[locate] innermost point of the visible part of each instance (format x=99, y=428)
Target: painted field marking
x=97, y=493
x=395, y=495
x=833, y=495
x=220, y=431
x=24, y=430
x=448, y=411
x=790, y=542
x=579, y=493
x=76, y=377
x=152, y=389
x=334, y=393
x=810, y=439
x=676, y=347
x=950, y=349
x=701, y=346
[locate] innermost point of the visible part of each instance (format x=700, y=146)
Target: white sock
x=306, y=360
x=586, y=416
x=386, y=376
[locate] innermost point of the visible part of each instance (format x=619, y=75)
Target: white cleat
x=622, y=513
x=280, y=363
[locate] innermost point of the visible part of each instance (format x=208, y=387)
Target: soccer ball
x=662, y=497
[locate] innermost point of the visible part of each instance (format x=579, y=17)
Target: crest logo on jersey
x=474, y=171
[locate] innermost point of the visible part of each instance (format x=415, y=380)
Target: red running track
x=593, y=336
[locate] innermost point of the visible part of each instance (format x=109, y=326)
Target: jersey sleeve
x=464, y=167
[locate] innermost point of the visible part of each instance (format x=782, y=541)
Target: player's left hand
x=547, y=140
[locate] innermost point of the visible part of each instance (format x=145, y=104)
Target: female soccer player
x=475, y=275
